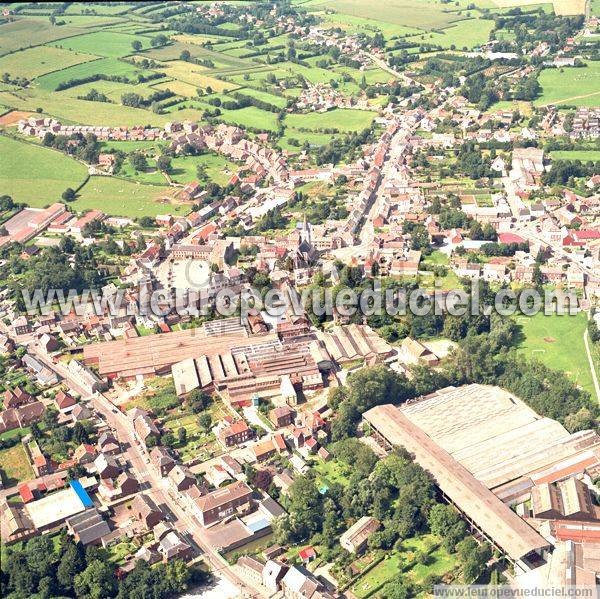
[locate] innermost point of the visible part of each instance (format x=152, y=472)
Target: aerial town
x=299, y=299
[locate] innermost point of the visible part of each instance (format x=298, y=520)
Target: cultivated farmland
x=105, y=43
x=40, y=60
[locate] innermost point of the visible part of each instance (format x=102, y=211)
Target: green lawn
x=439, y=562
x=196, y=437
x=36, y=175
x=355, y=24
x=114, y=90
x=571, y=86
x=126, y=198
x=151, y=175
x=342, y=119
x=331, y=472
x=438, y=258
x=557, y=341
x=278, y=101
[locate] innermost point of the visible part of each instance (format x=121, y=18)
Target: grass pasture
x=263, y=96
x=354, y=24
x=557, y=342
x=313, y=139
x=112, y=89
x=36, y=175
x=217, y=167
x=469, y=34
x=199, y=39
x=427, y=15
x=24, y=33
x=101, y=8
x=73, y=110
x=105, y=43
x=181, y=88
x=571, y=86
x=40, y=60
x=195, y=75
x=125, y=198
x=103, y=66
x=561, y=7
x=342, y=119
x=251, y=116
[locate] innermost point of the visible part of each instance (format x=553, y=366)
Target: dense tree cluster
x=367, y=387
x=396, y=491
x=95, y=96
x=49, y=270
x=274, y=219
x=42, y=570
x=490, y=359
x=564, y=172
x=85, y=147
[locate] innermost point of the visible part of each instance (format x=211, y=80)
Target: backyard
x=409, y=559
x=14, y=465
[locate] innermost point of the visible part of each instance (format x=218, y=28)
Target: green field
x=218, y=168
x=464, y=34
x=195, y=75
x=101, y=8
x=428, y=15
x=24, y=33
x=84, y=112
x=583, y=155
x=355, y=24
x=36, y=175
x=342, y=119
x=278, y=101
x=104, y=43
x=112, y=89
x=557, y=341
x=331, y=472
x=40, y=60
x=104, y=66
x=151, y=176
x=125, y=198
x=314, y=139
x=251, y=116
x=571, y=86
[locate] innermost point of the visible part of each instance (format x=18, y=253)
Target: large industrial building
x=222, y=355
x=506, y=468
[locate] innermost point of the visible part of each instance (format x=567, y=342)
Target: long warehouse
x=526, y=548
